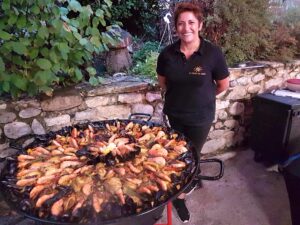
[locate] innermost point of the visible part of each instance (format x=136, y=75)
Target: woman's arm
x=222, y=85
x=162, y=82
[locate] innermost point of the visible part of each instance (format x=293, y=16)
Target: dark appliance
x=275, y=127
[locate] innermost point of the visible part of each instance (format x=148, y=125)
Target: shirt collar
x=200, y=51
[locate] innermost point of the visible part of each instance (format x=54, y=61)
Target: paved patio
x=248, y=194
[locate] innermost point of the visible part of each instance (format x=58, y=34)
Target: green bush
x=281, y=45
x=147, y=48
x=147, y=68
x=43, y=43
x=145, y=59
x=243, y=27
x=138, y=17
x=245, y=30
x=292, y=20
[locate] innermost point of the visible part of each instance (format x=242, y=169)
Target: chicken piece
x=158, y=160
x=114, y=186
x=157, y=150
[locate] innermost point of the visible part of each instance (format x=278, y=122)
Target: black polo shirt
x=191, y=88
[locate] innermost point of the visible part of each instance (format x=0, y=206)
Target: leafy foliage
x=43, y=43
x=292, y=20
x=148, y=47
x=147, y=68
x=139, y=17
x=239, y=26
x=145, y=60
x=245, y=30
x=281, y=45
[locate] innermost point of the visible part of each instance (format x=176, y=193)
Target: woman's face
x=188, y=27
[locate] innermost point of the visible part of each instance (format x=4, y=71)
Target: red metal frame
x=169, y=215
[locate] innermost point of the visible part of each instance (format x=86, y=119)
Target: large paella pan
x=106, y=172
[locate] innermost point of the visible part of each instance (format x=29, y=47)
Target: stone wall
x=122, y=95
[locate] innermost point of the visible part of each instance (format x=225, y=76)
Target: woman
x=191, y=71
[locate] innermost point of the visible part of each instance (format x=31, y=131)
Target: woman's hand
x=222, y=85
x=162, y=82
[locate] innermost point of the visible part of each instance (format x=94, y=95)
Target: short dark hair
x=188, y=7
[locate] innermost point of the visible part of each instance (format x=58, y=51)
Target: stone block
x=153, y=96
x=87, y=115
x=270, y=72
x=3, y=106
x=118, y=60
x=124, y=40
x=237, y=93
x=237, y=108
x=213, y=145
x=257, y=78
x=7, y=117
x=29, y=112
x=253, y=89
x=226, y=156
x=114, y=112
x=28, y=103
x=243, y=81
x=93, y=102
x=118, y=87
x=62, y=100
x=222, y=104
x=233, y=83
x=130, y=98
x=8, y=152
x=222, y=114
x=142, y=108
x=59, y=120
x=274, y=84
x=231, y=124
x=216, y=134
x=4, y=146
x=235, y=73
x=229, y=137
x=37, y=127
x=158, y=112
x=16, y=130
x=219, y=125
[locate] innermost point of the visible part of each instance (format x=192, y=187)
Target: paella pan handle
x=17, y=144
x=217, y=177
x=140, y=116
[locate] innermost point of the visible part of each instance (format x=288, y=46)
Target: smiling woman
x=188, y=26
x=191, y=72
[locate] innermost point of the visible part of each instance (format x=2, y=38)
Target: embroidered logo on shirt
x=198, y=70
